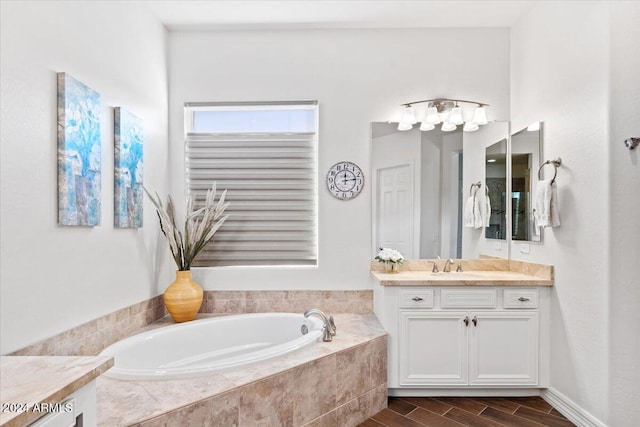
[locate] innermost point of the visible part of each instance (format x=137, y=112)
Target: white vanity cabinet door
x=503, y=348
x=433, y=348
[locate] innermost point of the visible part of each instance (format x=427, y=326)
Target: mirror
x=420, y=183
x=526, y=149
x=496, y=189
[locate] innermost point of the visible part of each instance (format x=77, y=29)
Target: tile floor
x=468, y=411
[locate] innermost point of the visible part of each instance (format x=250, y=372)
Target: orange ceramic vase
x=183, y=297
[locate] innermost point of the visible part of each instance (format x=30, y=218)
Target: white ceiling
x=255, y=14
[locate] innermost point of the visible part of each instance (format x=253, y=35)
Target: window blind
x=271, y=179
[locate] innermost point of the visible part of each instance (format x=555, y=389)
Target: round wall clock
x=345, y=180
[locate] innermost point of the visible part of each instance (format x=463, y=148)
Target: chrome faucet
x=435, y=267
x=447, y=266
x=329, y=328
x=459, y=269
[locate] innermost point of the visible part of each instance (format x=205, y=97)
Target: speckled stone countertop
x=122, y=403
x=477, y=272
x=27, y=380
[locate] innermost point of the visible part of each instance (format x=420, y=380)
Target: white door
x=503, y=348
x=433, y=348
x=395, y=210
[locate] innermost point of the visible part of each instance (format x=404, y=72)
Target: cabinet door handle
x=416, y=299
x=475, y=321
x=466, y=320
x=523, y=299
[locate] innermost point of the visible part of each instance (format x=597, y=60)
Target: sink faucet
x=329, y=328
x=459, y=269
x=435, y=267
x=447, y=266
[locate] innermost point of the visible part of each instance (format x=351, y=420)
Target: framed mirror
x=420, y=183
x=495, y=189
x=526, y=157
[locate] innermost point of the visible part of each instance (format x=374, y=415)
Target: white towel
x=472, y=215
x=486, y=217
x=546, y=212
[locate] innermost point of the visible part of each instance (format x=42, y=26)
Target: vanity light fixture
x=445, y=111
x=535, y=126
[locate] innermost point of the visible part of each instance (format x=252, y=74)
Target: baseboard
x=463, y=392
x=570, y=409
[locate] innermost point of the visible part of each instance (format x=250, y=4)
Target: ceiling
x=303, y=14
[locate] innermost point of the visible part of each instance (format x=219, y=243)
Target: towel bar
x=475, y=184
x=556, y=164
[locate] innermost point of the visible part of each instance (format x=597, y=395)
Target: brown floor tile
x=469, y=419
x=392, y=419
x=430, y=404
x=467, y=411
x=432, y=420
x=555, y=412
x=504, y=405
x=400, y=406
x=541, y=417
x=533, y=402
x=370, y=423
x=464, y=403
x=508, y=420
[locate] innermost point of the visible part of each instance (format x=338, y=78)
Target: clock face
x=345, y=180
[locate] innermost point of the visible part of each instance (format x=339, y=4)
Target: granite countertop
x=27, y=380
x=123, y=403
x=467, y=278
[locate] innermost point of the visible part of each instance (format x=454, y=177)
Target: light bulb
x=448, y=127
x=427, y=126
x=455, y=116
x=408, y=116
x=432, y=116
x=480, y=116
x=535, y=126
x=404, y=126
x=470, y=127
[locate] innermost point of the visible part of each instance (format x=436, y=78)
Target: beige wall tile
x=353, y=368
x=268, y=402
x=378, y=398
x=314, y=389
x=327, y=420
x=355, y=411
x=378, y=354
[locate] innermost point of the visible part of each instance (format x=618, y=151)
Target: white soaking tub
x=210, y=345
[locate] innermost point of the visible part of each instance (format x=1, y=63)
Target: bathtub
x=210, y=345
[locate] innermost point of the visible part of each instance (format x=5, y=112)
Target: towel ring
x=556, y=164
x=475, y=184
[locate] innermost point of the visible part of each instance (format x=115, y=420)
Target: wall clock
x=345, y=180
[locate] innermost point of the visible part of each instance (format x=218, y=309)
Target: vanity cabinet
x=447, y=338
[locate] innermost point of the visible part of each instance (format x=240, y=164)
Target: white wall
x=624, y=242
x=559, y=75
x=54, y=278
x=358, y=76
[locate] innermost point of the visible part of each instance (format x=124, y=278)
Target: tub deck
x=338, y=383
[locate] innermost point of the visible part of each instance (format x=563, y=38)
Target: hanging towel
x=472, y=215
x=486, y=217
x=546, y=212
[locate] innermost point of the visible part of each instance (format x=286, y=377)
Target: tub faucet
x=447, y=266
x=329, y=328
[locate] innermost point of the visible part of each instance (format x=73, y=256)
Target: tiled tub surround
x=94, y=336
x=56, y=378
x=477, y=272
x=338, y=383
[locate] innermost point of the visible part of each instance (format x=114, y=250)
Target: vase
x=391, y=267
x=183, y=297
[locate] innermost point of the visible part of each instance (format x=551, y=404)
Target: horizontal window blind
x=271, y=180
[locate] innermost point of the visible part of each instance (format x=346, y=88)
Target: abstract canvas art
x=79, y=153
x=127, y=169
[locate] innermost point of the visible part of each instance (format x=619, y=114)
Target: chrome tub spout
x=329, y=328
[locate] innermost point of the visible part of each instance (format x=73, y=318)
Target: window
x=265, y=155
